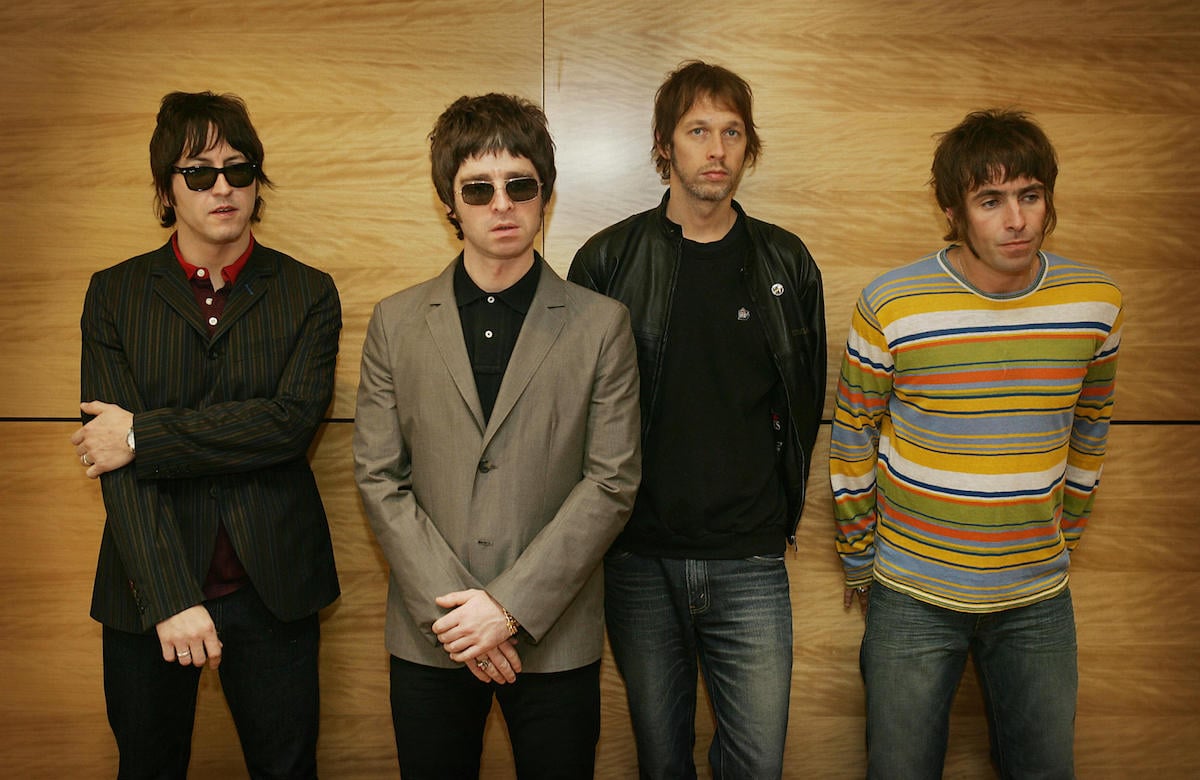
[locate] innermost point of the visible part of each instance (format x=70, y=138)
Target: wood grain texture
x=1137, y=633
x=343, y=96
x=849, y=97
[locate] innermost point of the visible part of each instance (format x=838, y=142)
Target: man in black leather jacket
x=728, y=316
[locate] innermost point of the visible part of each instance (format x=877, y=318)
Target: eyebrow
x=468, y=178
x=206, y=158
x=704, y=122
x=991, y=192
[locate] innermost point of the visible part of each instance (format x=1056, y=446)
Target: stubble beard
x=701, y=190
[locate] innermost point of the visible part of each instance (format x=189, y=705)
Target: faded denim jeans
x=913, y=656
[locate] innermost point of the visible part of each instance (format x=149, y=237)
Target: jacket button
x=485, y=466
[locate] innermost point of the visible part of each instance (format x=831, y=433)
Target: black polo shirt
x=491, y=323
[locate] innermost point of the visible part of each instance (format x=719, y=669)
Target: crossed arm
x=232, y=436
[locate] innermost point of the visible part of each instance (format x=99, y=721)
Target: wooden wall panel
x=849, y=97
x=343, y=96
x=1137, y=633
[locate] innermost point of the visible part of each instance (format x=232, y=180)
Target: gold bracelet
x=511, y=621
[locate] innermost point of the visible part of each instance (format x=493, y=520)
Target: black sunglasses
x=480, y=193
x=203, y=177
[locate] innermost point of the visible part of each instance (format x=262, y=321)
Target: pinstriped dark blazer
x=223, y=427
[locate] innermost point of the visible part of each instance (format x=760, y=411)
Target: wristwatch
x=129, y=441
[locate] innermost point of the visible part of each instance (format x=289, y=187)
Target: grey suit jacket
x=524, y=506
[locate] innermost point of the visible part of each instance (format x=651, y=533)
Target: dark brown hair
x=487, y=124
x=692, y=81
x=988, y=145
x=188, y=124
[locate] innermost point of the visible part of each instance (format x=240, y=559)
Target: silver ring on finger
x=483, y=663
x=85, y=460
x=183, y=653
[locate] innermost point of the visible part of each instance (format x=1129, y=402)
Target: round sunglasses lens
x=478, y=193
x=521, y=190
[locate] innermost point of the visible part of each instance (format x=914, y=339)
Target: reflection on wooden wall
x=849, y=96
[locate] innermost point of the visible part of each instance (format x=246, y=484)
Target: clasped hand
x=475, y=633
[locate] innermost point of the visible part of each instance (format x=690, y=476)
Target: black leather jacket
x=635, y=261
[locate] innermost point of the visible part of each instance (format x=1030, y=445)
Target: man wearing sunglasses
x=496, y=450
x=207, y=367
x=730, y=329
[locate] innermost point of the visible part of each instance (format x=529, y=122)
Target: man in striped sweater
x=971, y=423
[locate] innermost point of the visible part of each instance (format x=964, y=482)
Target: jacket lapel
x=172, y=287
x=250, y=288
x=446, y=329
x=542, y=326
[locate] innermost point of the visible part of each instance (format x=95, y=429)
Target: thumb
x=455, y=599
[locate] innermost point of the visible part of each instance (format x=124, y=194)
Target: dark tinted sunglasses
x=480, y=193
x=203, y=177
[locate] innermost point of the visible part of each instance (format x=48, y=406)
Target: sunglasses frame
x=193, y=170
x=508, y=183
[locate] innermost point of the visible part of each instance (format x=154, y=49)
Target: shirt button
x=208, y=301
x=491, y=299
x=487, y=334
x=201, y=273
x=212, y=320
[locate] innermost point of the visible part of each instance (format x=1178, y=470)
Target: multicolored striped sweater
x=970, y=431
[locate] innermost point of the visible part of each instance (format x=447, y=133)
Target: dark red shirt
x=225, y=573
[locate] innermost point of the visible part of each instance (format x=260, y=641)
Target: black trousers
x=439, y=715
x=269, y=676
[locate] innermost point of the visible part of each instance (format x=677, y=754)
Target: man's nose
x=222, y=184
x=1016, y=215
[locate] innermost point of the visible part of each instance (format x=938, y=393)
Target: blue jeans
x=913, y=656
x=269, y=676
x=731, y=617
x=438, y=716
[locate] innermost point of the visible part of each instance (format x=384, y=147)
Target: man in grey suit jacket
x=497, y=452
x=207, y=367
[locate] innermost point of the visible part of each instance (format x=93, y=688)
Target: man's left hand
x=473, y=627
x=101, y=444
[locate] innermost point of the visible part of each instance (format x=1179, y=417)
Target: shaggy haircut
x=991, y=145
x=692, y=81
x=190, y=123
x=489, y=124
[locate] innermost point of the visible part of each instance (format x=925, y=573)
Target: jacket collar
x=674, y=230
x=541, y=328
x=171, y=284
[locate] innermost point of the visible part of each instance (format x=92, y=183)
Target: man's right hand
x=864, y=597
x=190, y=638
x=500, y=665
